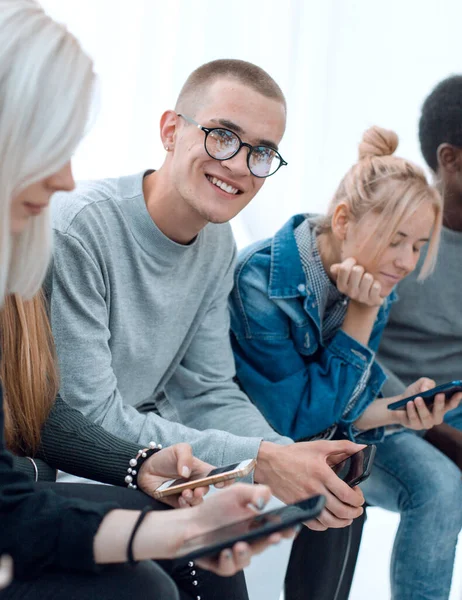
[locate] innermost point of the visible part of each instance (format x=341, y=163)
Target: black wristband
x=137, y=525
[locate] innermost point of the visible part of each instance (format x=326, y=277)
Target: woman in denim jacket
x=307, y=313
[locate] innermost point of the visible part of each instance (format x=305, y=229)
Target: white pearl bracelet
x=136, y=463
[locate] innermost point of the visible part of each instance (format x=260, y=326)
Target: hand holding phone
x=448, y=389
x=251, y=530
x=235, y=471
x=357, y=467
x=427, y=408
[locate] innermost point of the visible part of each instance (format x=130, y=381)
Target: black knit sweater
x=74, y=444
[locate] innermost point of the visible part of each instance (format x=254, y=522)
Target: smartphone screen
x=217, y=471
x=253, y=528
x=357, y=467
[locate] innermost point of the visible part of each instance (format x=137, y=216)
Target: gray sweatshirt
x=423, y=337
x=141, y=325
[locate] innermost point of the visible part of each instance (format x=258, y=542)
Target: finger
x=424, y=384
x=223, y=484
x=375, y=296
x=200, y=492
x=330, y=520
x=413, y=421
x=315, y=525
x=424, y=414
x=334, y=269
x=365, y=287
x=354, y=281
x=257, y=495
x=333, y=449
x=454, y=401
x=184, y=459
x=182, y=503
x=344, y=273
x=339, y=493
x=439, y=409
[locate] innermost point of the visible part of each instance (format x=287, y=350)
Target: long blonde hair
x=46, y=85
x=29, y=375
x=387, y=185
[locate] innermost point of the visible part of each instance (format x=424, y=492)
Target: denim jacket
x=300, y=385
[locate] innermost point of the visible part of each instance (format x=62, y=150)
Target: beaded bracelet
x=136, y=463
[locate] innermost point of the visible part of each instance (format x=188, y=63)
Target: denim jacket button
x=301, y=287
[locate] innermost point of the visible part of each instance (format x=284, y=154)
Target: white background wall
x=343, y=65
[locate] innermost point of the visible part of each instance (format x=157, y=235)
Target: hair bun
x=377, y=142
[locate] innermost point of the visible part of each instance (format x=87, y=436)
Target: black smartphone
x=448, y=389
x=252, y=529
x=357, y=467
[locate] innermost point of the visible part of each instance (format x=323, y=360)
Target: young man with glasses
x=143, y=266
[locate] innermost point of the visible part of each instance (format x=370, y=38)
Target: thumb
x=344, y=447
x=257, y=495
x=424, y=384
x=184, y=459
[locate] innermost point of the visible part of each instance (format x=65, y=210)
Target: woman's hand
x=239, y=502
x=172, y=463
x=6, y=571
x=353, y=281
x=415, y=416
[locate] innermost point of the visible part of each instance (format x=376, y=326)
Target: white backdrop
x=343, y=65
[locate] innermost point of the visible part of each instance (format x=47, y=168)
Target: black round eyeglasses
x=222, y=144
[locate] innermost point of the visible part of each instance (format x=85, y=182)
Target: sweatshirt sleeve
x=39, y=529
x=74, y=444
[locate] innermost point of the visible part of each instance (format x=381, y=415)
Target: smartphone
x=448, y=389
x=252, y=529
x=176, y=486
x=357, y=467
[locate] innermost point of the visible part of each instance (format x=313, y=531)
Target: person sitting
x=58, y=544
x=424, y=330
x=307, y=312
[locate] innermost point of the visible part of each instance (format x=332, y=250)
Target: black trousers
x=159, y=580
x=322, y=563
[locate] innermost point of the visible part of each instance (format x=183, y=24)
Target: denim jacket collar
x=287, y=278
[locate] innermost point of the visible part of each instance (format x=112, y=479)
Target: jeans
x=415, y=479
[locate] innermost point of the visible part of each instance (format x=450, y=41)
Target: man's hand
x=304, y=469
x=171, y=463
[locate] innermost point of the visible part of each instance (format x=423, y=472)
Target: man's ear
x=449, y=158
x=340, y=220
x=168, y=125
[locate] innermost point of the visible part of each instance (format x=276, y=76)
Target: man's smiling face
x=218, y=190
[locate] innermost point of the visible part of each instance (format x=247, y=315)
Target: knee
x=440, y=488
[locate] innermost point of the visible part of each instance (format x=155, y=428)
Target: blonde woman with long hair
x=58, y=544
x=308, y=310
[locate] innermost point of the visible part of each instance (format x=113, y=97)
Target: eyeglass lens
x=222, y=144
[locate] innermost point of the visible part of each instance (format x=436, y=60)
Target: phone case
x=367, y=456
x=448, y=389
x=249, y=530
x=177, y=489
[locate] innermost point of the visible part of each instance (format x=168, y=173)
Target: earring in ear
x=167, y=148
